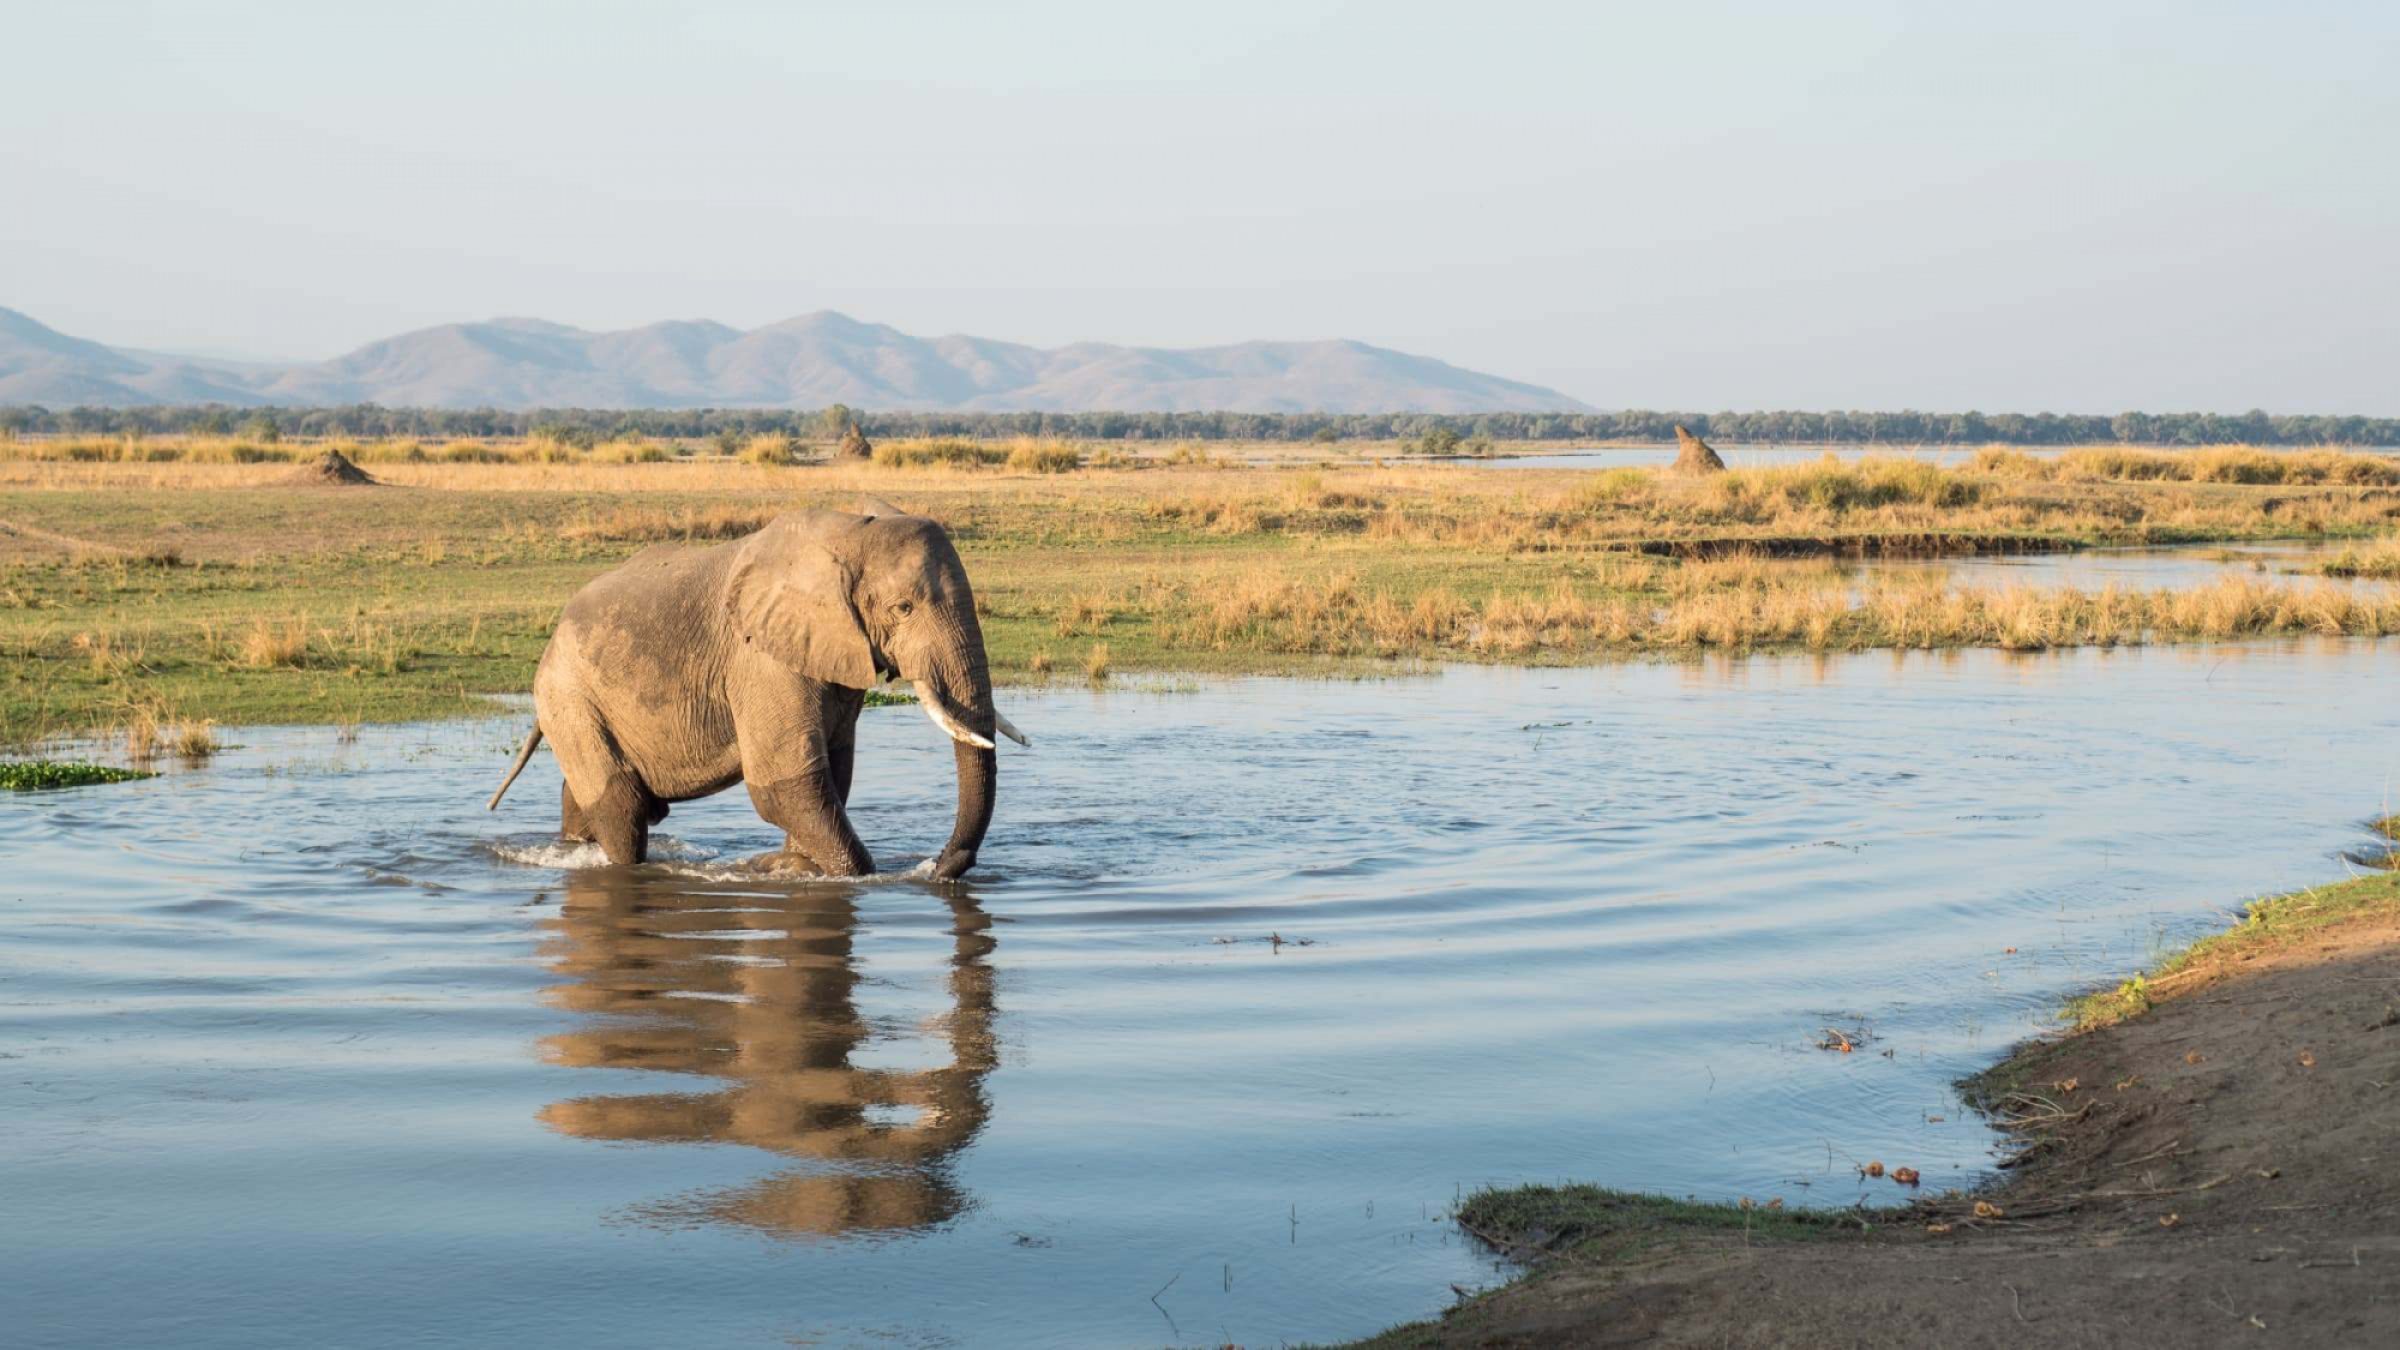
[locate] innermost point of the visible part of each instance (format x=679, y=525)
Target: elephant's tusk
x=957, y=730
x=1009, y=729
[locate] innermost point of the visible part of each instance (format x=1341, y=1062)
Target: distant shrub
x=950, y=451
x=630, y=451
x=1616, y=487
x=568, y=434
x=2238, y=464
x=772, y=450
x=2007, y=463
x=474, y=452
x=234, y=452
x=1834, y=486
x=1031, y=456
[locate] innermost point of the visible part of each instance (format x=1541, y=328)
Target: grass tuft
x=195, y=741
x=271, y=644
x=2379, y=561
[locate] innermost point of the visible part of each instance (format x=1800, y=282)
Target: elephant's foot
x=620, y=821
x=830, y=862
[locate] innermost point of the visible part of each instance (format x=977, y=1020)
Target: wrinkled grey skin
x=687, y=670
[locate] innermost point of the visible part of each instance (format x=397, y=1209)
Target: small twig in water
x=2016, y=1301
x=1162, y=1308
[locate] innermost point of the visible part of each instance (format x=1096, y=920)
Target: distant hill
x=807, y=362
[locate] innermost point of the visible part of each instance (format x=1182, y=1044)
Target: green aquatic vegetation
x=2266, y=925
x=34, y=775
x=1590, y=1224
x=1601, y=1221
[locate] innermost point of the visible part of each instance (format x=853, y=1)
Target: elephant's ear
x=789, y=596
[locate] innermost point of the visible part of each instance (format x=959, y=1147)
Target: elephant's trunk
x=963, y=682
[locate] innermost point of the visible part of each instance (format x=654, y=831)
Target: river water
x=303, y=1048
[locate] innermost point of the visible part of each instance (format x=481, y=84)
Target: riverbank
x=178, y=591
x=2207, y=1160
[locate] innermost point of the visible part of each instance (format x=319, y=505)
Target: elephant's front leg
x=788, y=766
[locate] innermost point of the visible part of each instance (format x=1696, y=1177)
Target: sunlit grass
x=216, y=589
x=2379, y=560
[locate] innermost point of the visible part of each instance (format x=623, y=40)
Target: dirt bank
x=2215, y=1162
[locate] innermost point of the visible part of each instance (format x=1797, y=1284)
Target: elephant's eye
x=904, y=608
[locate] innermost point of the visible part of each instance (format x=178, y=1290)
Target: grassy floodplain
x=168, y=582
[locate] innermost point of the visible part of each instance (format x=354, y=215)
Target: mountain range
x=806, y=362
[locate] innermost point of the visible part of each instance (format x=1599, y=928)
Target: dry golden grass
x=652, y=524
x=1812, y=607
x=142, y=732
x=408, y=599
x=1096, y=662
x=194, y=741
x=2243, y=464
x=773, y=450
x=1084, y=614
x=273, y=643
x=2379, y=560
x=1030, y=455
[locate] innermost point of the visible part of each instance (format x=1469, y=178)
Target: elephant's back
x=661, y=589
x=640, y=645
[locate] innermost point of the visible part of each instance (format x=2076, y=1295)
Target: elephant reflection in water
x=759, y=989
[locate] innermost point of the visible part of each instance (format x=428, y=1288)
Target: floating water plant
x=34, y=775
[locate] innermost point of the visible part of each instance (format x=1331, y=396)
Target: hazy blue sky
x=2083, y=207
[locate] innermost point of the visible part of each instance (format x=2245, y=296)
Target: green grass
x=36, y=775
x=138, y=586
x=1597, y=1224
x=2268, y=924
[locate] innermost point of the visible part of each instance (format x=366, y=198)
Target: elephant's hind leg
x=620, y=821
x=604, y=802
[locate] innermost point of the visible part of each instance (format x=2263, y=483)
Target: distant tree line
x=731, y=424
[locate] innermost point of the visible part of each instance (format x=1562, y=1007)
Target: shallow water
x=2179, y=568
x=304, y=1048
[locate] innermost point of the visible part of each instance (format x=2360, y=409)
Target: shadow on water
x=760, y=992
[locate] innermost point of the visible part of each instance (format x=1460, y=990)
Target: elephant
x=689, y=669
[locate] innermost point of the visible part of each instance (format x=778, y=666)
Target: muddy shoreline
x=2216, y=1164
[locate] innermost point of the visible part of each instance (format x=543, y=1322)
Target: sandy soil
x=2224, y=1170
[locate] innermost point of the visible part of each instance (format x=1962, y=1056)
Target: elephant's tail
x=525, y=753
